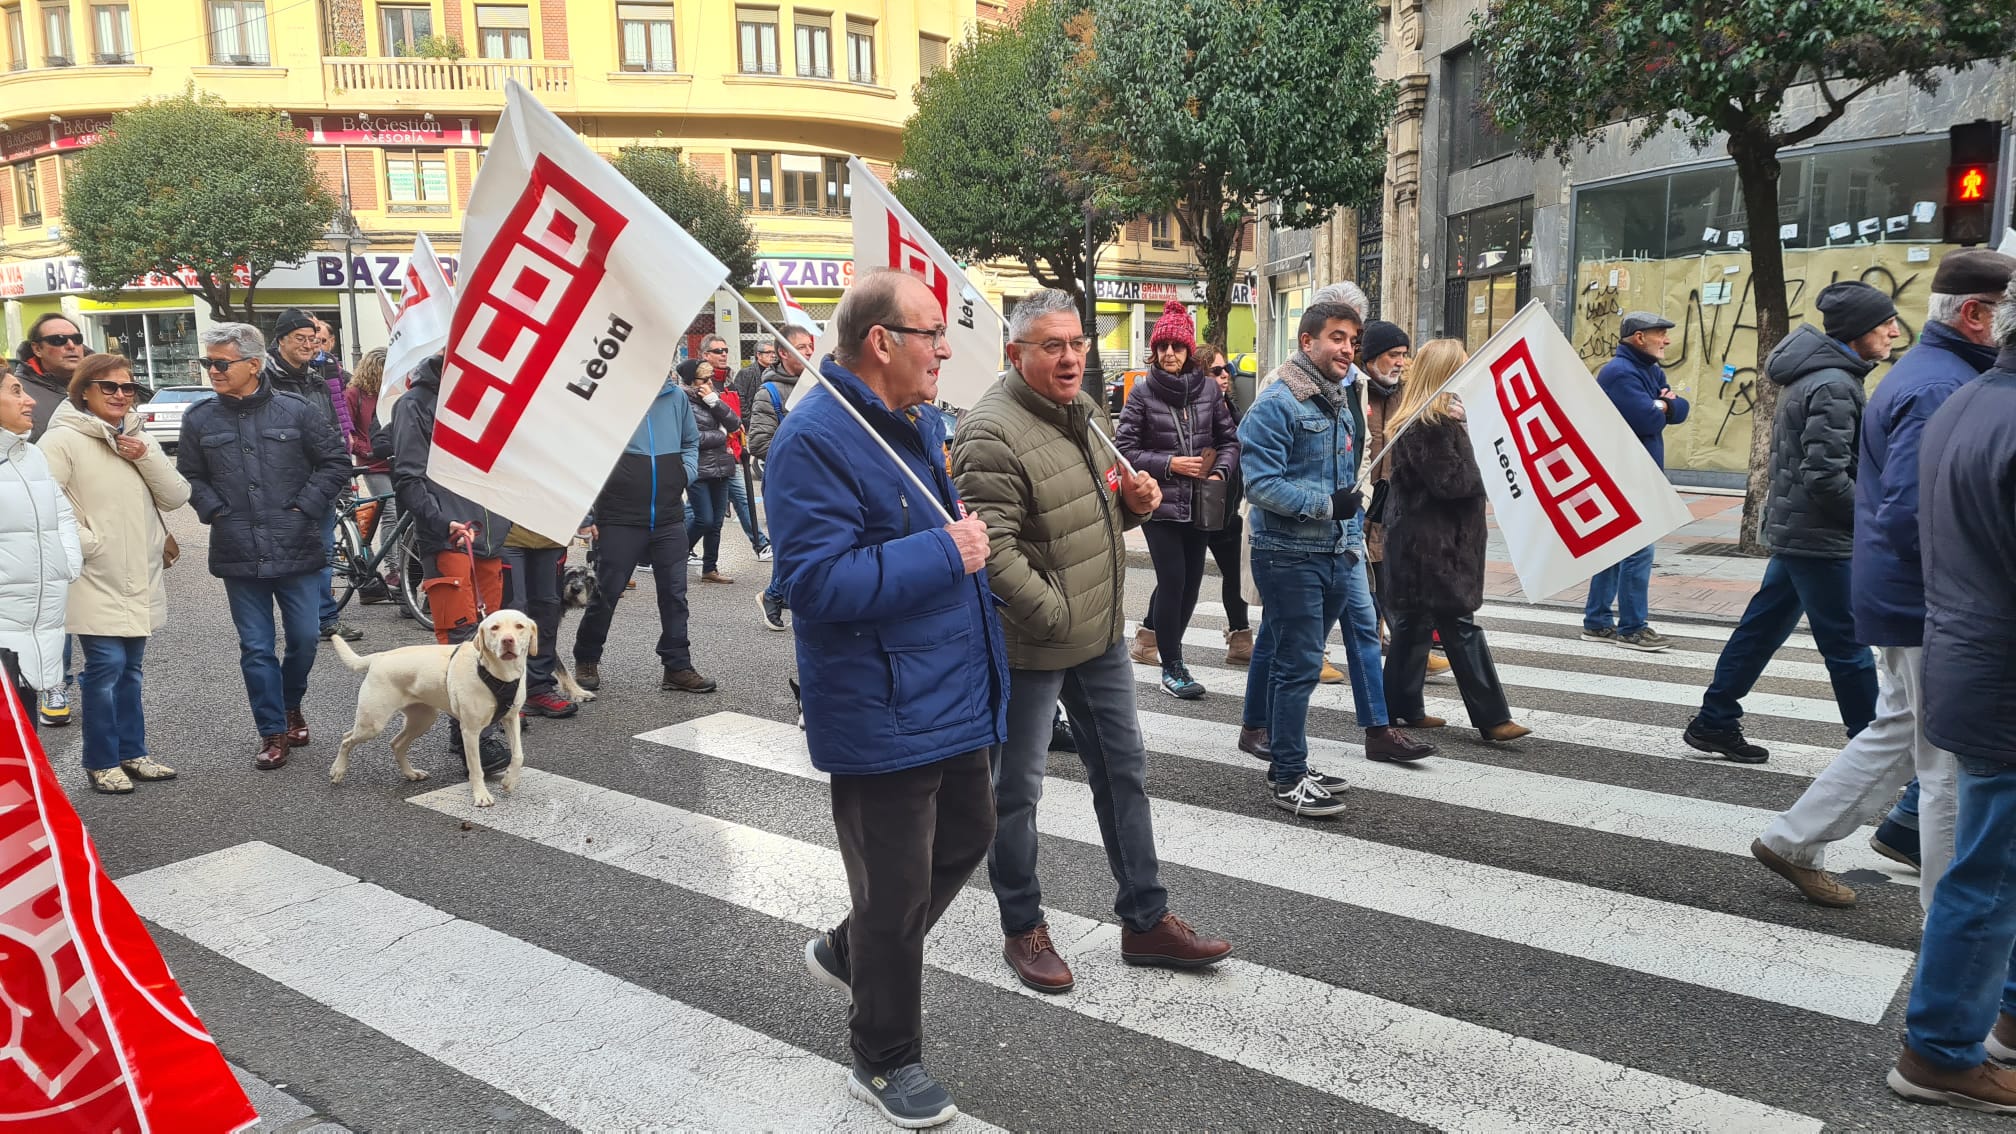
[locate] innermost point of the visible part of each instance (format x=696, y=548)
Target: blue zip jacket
x=900, y=653
x=648, y=484
x=1633, y=380
x=1294, y=452
x=1889, y=593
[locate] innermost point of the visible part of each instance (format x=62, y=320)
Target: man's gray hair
x=1345, y=292
x=707, y=341
x=793, y=333
x=244, y=336
x=1037, y=304
x=2005, y=317
x=1946, y=308
x=871, y=302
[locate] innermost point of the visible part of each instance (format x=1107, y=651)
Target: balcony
x=446, y=82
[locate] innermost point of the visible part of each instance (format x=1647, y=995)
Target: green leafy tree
x=701, y=205
x=1557, y=73
x=1210, y=108
x=187, y=188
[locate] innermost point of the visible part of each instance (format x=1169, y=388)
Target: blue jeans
x=1793, y=585
x=1905, y=814
x=328, y=606
x=738, y=495
x=273, y=686
x=1964, y=957
x=1302, y=594
x=113, y=728
x=710, y=510
x=1360, y=628
x=1629, y=582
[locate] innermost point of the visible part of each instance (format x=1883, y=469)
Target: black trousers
x=1224, y=548
x=27, y=692
x=1177, y=551
x=618, y=551
x=909, y=839
x=1469, y=659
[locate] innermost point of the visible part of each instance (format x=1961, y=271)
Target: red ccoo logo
x=1578, y=495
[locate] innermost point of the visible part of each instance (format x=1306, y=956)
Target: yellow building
x=398, y=100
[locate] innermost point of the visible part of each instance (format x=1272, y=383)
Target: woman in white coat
x=39, y=553
x=118, y=482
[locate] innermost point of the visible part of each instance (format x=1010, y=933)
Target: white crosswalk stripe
x=1504, y=612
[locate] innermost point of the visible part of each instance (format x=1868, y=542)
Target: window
x=1372, y=255
x=860, y=51
x=17, y=40
x=756, y=35
x=1161, y=233
x=27, y=194
x=933, y=53
x=238, y=33
x=1473, y=140
x=56, y=33
x=1488, y=278
x=112, y=32
x=813, y=34
x=404, y=28
x=503, y=31
x=645, y=32
x=792, y=183
x=416, y=181
x=839, y=190
x=162, y=347
x=755, y=181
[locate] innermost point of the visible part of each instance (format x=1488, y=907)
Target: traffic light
x=1973, y=182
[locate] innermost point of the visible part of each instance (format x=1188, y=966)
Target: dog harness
x=504, y=691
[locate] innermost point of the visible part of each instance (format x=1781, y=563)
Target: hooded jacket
x=39, y=556
x=1814, y=442
x=1633, y=380
x=1177, y=415
x=118, y=504
x=648, y=485
x=263, y=471
x=433, y=507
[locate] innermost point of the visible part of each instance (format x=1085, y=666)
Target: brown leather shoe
x=1238, y=647
x=1254, y=742
x=1172, y=944
x=1820, y=887
x=1983, y=1086
x=297, y=730
x=1422, y=722
x=687, y=680
x=1509, y=730
x=272, y=752
x=1036, y=961
x=1391, y=745
x=714, y=577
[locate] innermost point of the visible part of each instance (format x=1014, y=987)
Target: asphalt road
x=1565, y=931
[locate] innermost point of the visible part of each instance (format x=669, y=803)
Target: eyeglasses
x=716, y=350
x=61, y=340
x=938, y=335
x=220, y=365
x=111, y=389
x=1055, y=348
x=1217, y=370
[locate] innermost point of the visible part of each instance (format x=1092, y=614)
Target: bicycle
x=355, y=565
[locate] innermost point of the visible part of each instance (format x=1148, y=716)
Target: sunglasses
x=716, y=350
x=61, y=340
x=1217, y=370
x=110, y=388
x=220, y=365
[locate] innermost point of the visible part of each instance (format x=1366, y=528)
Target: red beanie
x=1174, y=327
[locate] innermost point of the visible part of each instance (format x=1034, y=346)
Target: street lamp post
x=1095, y=374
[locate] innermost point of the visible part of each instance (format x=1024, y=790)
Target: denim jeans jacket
x=1294, y=451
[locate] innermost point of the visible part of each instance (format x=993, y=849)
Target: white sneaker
x=763, y=556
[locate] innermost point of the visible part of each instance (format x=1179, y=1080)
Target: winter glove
x=1344, y=504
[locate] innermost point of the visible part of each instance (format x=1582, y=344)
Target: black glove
x=1344, y=504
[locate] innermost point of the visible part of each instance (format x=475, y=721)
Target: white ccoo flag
x=576, y=291
x=794, y=313
x=1573, y=489
x=419, y=324
x=887, y=236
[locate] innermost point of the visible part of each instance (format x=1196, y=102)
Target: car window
x=181, y=394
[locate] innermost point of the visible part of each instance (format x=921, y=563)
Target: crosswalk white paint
x=1491, y=613
x=1697, y=661
x=1403, y=1060
x=1796, y=967
x=587, y=1048
x=1680, y=820
x=1594, y=732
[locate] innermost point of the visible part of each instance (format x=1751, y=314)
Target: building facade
x=1469, y=230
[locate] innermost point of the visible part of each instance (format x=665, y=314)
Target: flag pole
x=1122, y=457
x=811, y=369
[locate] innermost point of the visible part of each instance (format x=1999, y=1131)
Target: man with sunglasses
x=290, y=367
x=747, y=378
x=45, y=362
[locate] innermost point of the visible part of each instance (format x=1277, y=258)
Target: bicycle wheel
x=346, y=557
x=413, y=570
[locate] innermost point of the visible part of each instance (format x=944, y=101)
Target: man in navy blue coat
x=903, y=667
x=1637, y=386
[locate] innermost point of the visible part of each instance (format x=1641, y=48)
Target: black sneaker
x=1306, y=797
x=1061, y=739
x=1177, y=682
x=1600, y=634
x=342, y=629
x=824, y=964
x=1726, y=743
x=493, y=755
x=907, y=1096
x=773, y=611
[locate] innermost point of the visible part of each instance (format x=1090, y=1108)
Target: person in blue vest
x=903, y=665
x=1637, y=387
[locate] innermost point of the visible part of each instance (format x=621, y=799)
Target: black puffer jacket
x=433, y=507
x=716, y=422
x=311, y=383
x=47, y=392
x=1814, y=446
x=1176, y=415
x=1435, y=530
x=263, y=471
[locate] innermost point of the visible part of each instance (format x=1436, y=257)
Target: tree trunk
x=1756, y=159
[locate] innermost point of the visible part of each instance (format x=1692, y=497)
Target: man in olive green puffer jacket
x=1056, y=504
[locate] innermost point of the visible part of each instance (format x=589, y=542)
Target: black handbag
x=1375, y=512
x=1210, y=504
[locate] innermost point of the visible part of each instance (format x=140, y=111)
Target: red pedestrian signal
x=1970, y=183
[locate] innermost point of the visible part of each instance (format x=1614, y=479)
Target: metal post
x=1095, y=373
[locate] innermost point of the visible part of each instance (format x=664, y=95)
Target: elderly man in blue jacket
x=903, y=667
x=1637, y=387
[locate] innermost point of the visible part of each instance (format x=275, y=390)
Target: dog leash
x=475, y=588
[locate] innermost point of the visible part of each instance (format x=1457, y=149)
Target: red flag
x=95, y=1035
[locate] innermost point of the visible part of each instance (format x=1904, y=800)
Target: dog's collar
x=504, y=691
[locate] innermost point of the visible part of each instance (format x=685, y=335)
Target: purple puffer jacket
x=1176, y=415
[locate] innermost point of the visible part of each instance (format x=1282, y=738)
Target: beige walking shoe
x=1143, y=650
x=1238, y=647
x=1820, y=887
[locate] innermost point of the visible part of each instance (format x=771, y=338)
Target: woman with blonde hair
x=1435, y=537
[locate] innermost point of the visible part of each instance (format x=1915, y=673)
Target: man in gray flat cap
x=1637, y=386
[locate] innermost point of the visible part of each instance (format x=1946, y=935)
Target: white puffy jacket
x=39, y=558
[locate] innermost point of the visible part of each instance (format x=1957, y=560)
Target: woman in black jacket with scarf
x=1177, y=428
x=1435, y=536
x=708, y=494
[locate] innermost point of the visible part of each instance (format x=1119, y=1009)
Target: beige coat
x=118, y=504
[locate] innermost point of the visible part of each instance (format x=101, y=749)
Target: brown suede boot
x=1143, y=650
x=1238, y=647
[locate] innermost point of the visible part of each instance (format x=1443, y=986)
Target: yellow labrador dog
x=477, y=683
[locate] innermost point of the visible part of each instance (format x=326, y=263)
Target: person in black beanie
x=290, y=369
x=1809, y=520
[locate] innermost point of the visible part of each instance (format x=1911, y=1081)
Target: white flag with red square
x=420, y=323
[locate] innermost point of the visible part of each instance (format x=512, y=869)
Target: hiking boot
x=1330, y=674
x=824, y=964
x=147, y=768
x=1392, y=745
x=1254, y=742
x=1605, y=634
x=1508, y=730
x=1177, y=682
x=493, y=755
x=52, y=707
x=1647, y=641
x=1239, y=647
x=110, y=781
x=1438, y=668
x=2001, y=1042
x=1306, y=797
x=1981, y=1087
x=1820, y=887
x=714, y=577
x=1143, y=650
x=272, y=752
x=688, y=680
x=1896, y=842
x=588, y=675
x=550, y=704
x=1727, y=743
x=343, y=629
x=1172, y=944
x=297, y=730
x=773, y=611
x=1036, y=961
x=907, y=1096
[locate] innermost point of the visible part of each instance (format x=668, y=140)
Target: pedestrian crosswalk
x=1620, y=965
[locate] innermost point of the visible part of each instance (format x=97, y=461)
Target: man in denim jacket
x=1298, y=450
